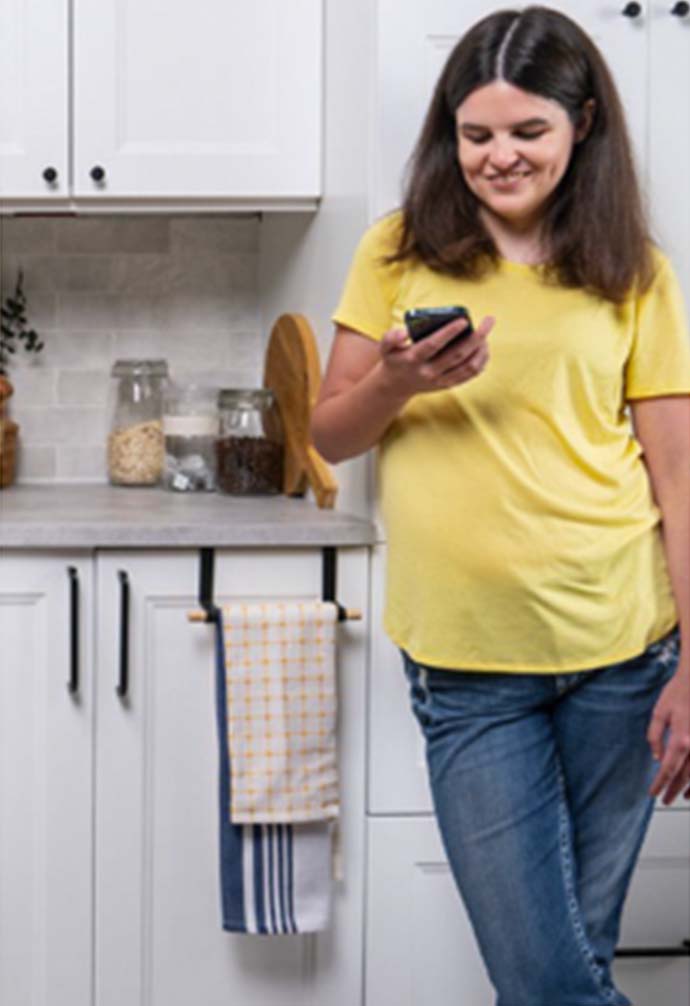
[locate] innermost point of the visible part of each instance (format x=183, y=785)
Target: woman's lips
x=508, y=181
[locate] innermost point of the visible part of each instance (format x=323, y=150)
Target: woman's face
x=513, y=149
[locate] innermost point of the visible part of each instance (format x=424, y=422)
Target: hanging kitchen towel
x=281, y=693
x=275, y=878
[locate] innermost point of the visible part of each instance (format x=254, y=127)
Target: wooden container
x=8, y=437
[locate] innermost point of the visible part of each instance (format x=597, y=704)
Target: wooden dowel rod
x=352, y=615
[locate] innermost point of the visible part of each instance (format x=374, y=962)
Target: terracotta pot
x=8, y=437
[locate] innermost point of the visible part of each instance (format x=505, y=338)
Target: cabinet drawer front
x=421, y=948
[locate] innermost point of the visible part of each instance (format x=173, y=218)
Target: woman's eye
x=476, y=137
x=530, y=136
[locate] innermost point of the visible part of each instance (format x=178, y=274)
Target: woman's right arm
x=367, y=383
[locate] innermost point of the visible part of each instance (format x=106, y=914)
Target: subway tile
x=20, y=235
x=191, y=235
x=81, y=349
x=86, y=462
x=109, y=235
x=62, y=425
x=87, y=311
x=38, y=463
x=34, y=385
x=83, y=387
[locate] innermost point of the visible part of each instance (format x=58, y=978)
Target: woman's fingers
x=668, y=736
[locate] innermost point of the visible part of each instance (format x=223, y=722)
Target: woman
x=534, y=481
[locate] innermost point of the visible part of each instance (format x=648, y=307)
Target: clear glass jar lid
x=139, y=368
x=245, y=398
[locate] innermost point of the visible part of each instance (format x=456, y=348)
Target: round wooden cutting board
x=292, y=370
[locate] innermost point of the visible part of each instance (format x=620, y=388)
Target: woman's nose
x=503, y=155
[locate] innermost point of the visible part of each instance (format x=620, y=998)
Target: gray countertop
x=89, y=516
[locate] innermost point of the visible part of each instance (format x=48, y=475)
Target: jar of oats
x=136, y=452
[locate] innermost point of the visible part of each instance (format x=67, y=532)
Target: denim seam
x=573, y=908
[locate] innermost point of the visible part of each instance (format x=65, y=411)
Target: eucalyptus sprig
x=14, y=330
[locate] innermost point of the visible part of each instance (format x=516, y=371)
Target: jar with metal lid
x=135, y=442
x=190, y=429
x=250, y=445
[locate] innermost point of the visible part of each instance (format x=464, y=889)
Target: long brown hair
x=595, y=226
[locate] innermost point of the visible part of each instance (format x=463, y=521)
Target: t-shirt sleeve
x=659, y=361
x=371, y=285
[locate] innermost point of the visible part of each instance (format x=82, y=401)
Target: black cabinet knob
x=97, y=173
x=632, y=10
x=50, y=175
x=681, y=9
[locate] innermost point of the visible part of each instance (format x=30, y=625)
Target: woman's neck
x=517, y=242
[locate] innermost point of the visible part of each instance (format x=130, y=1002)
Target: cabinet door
x=669, y=140
x=45, y=781
x=33, y=98
x=398, y=781
x=159, y=940
x=415, y=39
x=420, y=946
x=211, y=100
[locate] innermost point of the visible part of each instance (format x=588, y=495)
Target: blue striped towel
x=275, y=878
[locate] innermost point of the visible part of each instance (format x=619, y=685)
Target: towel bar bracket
x=206, y=569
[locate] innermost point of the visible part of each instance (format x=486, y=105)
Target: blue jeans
x=539, y=783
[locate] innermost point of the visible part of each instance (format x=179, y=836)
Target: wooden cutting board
x=292, y=370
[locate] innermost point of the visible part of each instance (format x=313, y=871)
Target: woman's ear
x=586, y=119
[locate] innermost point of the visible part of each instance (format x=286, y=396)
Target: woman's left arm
x=662, y=426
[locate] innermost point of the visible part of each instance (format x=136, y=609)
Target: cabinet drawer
x=421, y=947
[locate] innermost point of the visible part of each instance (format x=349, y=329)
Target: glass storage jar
x=250, y=445
x=190, y=428
x=135, y=442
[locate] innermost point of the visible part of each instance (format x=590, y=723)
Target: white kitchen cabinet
x=46, y=799
x=34, y=98
x=138, y=104
x=669, y=131
x=420, y=945
x=130, y=865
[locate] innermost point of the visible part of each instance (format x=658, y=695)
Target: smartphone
x=422, y=321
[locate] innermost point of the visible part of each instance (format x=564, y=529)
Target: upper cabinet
x=142, y=104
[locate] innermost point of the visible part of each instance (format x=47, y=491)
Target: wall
x=100, y=288
x=304, y=260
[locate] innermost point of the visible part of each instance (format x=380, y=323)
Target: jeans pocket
x=420, y=698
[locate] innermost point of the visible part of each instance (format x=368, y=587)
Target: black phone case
x=423, y=321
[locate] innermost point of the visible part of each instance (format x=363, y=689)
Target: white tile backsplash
x=101, y=288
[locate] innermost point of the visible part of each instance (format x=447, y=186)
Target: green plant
x=13, y=327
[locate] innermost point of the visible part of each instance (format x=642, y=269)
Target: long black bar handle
x=680, y=951
x=123, y=679
x=73, y=682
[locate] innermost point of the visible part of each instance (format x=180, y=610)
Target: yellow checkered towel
x=281, y=711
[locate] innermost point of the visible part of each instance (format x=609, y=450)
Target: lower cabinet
x=420, y=945
x=108, y=795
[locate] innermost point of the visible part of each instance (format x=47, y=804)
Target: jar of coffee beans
x=250, y=445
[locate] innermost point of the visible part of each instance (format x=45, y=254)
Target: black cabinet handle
x=122, y=686
x=97, y=173
x=50, y=175
x=73, y=683
x=632, y=10
x=681, y=9
x=683, y=950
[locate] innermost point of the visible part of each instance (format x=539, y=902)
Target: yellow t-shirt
x=522, y=531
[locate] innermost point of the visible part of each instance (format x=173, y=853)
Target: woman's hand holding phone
x=431, y=364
